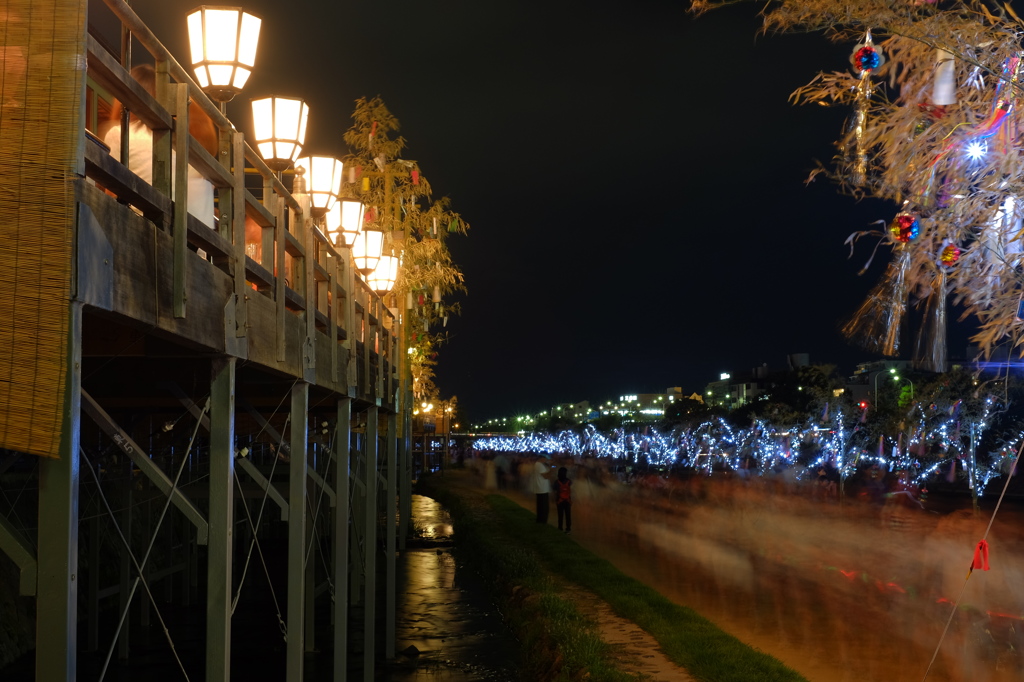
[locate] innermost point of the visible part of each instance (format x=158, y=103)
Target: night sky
x=634, y=178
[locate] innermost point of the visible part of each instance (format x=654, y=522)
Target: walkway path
x=634, y=650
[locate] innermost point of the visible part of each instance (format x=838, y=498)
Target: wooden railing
x=289, y=261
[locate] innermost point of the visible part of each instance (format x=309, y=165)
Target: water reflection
x=446, y=628
x=841, y=593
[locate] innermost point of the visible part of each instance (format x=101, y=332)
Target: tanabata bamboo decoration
x=934, y=130
x=866, y=59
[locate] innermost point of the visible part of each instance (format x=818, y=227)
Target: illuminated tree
x=415, y=225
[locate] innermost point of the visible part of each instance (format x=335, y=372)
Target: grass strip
x=686, y=637
x=558, y=643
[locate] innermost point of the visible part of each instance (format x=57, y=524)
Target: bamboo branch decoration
x=938, y=136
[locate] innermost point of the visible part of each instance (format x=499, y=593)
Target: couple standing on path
x=563, y=494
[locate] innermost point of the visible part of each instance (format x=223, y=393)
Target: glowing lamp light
x=223, y=44
x=279, y=124
x=366, y=250
x=323, y=182
x=382, y=279
x=345, y=220
x=976, y=149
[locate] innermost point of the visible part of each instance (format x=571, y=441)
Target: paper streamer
x=877, y=323
x=944, y=82
x=930, y=351
x=980, y=556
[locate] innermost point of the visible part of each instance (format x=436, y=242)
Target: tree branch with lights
x=935, y=98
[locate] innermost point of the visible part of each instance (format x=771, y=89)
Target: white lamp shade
x=323, y=181
x=279, y=127
x=344, y=221
x=366, y=250
x=223, y=45
x=382, y=279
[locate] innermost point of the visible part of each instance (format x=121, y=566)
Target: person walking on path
x=563, y=499
x=541, y=488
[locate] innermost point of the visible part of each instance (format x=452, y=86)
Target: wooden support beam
x=14, y=545
x=340, y=563
x=222, y=487
x=297, y=484
x=391, y=462
x=146, y=465
x=370, y=546
x=57, y=543
x=257, y=476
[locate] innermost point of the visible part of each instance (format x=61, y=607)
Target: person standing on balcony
x=140, y=146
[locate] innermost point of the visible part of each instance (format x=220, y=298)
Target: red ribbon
x=415, y=177
x=981, y=556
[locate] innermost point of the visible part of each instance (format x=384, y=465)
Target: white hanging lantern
x=279, y=126
x=366, y=250
x=344, y=221
x=223, y=44
x=323, y=181
x=383, y=277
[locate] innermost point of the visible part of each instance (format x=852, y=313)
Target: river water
x=446, y=625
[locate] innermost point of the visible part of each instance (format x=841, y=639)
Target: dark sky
x=633, y=176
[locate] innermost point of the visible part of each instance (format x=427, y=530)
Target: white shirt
x=140, y=162
x=538, y=483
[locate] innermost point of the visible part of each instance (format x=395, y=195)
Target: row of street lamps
x=223, y=43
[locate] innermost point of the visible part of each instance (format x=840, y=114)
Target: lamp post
x=279, y=127
x=879, y=372
x=223, y=43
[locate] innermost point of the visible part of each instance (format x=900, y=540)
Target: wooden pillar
x=297, y=531
x=391, y=450
x=342, y=471
x=57, y=582
x=221, y=520
x=370, y=544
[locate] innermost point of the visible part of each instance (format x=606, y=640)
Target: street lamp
x=279, y=126
x=323, y=182
x=344, y=221
x=223, y=44
x=366, y=250
x=897, y=378
x=382, y=278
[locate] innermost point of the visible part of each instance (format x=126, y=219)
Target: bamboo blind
x=42, y=48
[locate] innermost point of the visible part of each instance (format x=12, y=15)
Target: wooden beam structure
x=192, y=349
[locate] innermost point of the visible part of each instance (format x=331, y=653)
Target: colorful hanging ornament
x=949, y=255
x=973, y=137
x=905, y=227
x=866, y=59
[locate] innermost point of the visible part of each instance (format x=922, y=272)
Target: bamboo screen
x=42, y=47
